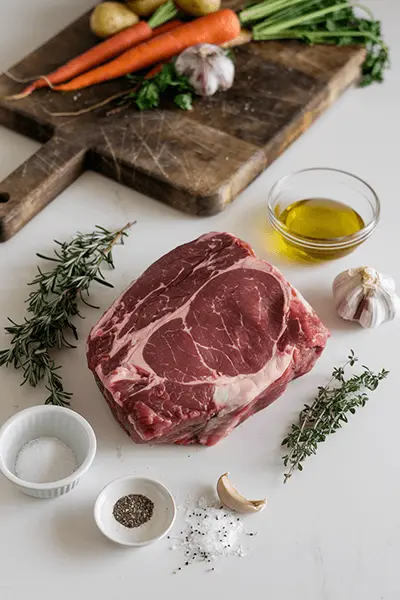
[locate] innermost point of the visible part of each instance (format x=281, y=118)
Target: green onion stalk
x=321, y=22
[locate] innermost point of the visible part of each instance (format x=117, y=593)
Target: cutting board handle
x=37, y=182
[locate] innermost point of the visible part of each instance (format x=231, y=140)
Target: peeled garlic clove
x=231, y=498
x=366, y=296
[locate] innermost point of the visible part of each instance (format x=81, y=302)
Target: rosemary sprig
x=328, y=412
x=53, y=303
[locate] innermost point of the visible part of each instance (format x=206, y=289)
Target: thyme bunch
x=328, y=412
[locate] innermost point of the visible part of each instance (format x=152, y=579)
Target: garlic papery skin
x=366, y=296
x=207, y=68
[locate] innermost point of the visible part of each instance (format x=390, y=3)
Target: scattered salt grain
x=45, y=459
x=210, y=532
x=118, y=448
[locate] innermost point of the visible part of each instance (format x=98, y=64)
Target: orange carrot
x=154, y=70
x=99, y=54
x=215, y=28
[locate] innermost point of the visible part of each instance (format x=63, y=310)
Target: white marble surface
x=333, y=532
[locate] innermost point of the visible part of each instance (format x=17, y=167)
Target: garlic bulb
x=366, y=296
x=207, y=67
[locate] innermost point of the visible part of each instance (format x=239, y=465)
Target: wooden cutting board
x=196, y=161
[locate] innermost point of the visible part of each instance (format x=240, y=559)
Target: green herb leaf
x=148, y=96
x=151, y=91
x=52, y=304
x=328, y=411
x=184, y=101
x=321, y=22
x=166, y=77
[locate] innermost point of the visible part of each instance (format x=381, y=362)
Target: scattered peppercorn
x=209, y=533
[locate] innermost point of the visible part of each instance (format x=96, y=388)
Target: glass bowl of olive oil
x=322, y=213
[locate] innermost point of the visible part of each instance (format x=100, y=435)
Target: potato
x=198, y=8
x=108, y=18
x=145, y=8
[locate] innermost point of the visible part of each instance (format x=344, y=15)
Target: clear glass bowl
x=324, y=183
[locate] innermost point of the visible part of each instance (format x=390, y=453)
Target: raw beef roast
x=206, y=337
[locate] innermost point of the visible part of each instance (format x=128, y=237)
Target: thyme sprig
x=53, y=303
x=328, y=412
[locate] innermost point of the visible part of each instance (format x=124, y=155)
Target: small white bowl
x=156, y=528
x=50, y=421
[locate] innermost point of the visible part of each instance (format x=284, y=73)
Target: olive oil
x=319, y=220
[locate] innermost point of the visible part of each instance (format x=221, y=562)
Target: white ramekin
x=50, y=421
x=157, y=527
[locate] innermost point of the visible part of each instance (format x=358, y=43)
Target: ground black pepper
x=133, y=510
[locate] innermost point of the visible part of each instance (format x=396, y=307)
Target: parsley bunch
x=166, y=83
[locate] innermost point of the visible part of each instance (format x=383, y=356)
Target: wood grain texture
x=196, y=161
